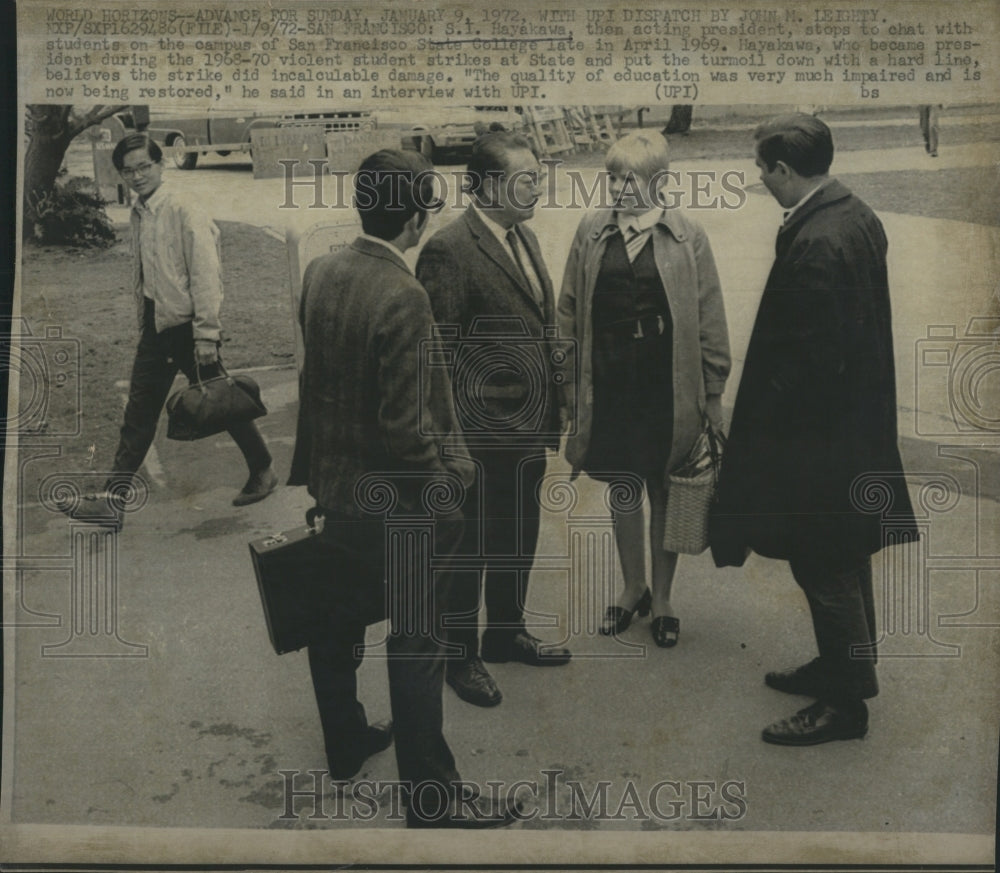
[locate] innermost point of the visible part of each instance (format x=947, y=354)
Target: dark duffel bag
x=211, y=406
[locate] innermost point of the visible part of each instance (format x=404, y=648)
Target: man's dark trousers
x=415, y=658
x=157, y=360
x=842, y=604
x=502, y=519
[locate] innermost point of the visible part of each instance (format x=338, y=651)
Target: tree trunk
x=680, y=119
x=50, y=129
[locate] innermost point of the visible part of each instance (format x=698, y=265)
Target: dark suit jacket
x=816, y=407
x=507, y=359
x=362, y=405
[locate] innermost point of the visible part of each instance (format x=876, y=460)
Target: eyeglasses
x=140, y=170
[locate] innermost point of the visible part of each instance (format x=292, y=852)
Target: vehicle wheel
x=224, y=154
x=182, y=160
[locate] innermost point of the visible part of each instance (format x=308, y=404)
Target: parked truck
x=186, y=137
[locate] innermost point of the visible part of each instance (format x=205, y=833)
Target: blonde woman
x=641, y=297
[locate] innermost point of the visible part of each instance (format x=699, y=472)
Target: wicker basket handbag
x=691, y=490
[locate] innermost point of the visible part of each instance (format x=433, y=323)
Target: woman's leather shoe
x=617, y=618
x=666, y=629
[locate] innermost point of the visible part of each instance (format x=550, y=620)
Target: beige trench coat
x=701, y=359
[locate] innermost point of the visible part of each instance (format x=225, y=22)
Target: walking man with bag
x=362, y=412
x=815, y=423
x=177, y=281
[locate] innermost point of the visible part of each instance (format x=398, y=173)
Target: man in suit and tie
x=489, y=289
x=362, y=413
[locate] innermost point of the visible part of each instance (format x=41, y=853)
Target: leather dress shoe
x=617, y=618
x=468, y=814
x=806, y=680
x=103, y=508
x=472, y=682
x=376, y=738
x=820, y=723
x=522, y=646
x=258, y=486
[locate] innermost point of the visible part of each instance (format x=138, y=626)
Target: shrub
x=72, y=213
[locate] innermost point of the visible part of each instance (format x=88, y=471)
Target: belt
x=638, y=328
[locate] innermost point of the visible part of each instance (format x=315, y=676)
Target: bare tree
x=50, y=128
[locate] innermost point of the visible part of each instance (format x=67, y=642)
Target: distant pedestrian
x=177, y=281
x=815, y=412
x=929, y=127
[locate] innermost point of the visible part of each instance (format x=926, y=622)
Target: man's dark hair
x=391, y=186
x=134, y=142
x=801, y=141
x=489, y=156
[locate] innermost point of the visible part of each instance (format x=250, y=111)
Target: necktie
x=514, y=243
x=635, y=239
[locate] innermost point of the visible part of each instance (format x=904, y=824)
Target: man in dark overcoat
x=813, y=437
x=363, y=413
x=489, y=287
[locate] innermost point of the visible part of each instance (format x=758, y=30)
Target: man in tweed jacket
x=368, y=428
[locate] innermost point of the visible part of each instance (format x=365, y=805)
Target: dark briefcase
x=306, y=581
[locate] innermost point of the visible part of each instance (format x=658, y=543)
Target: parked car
x=452, y=130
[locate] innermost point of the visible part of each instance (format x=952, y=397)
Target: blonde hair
x=640, y=152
